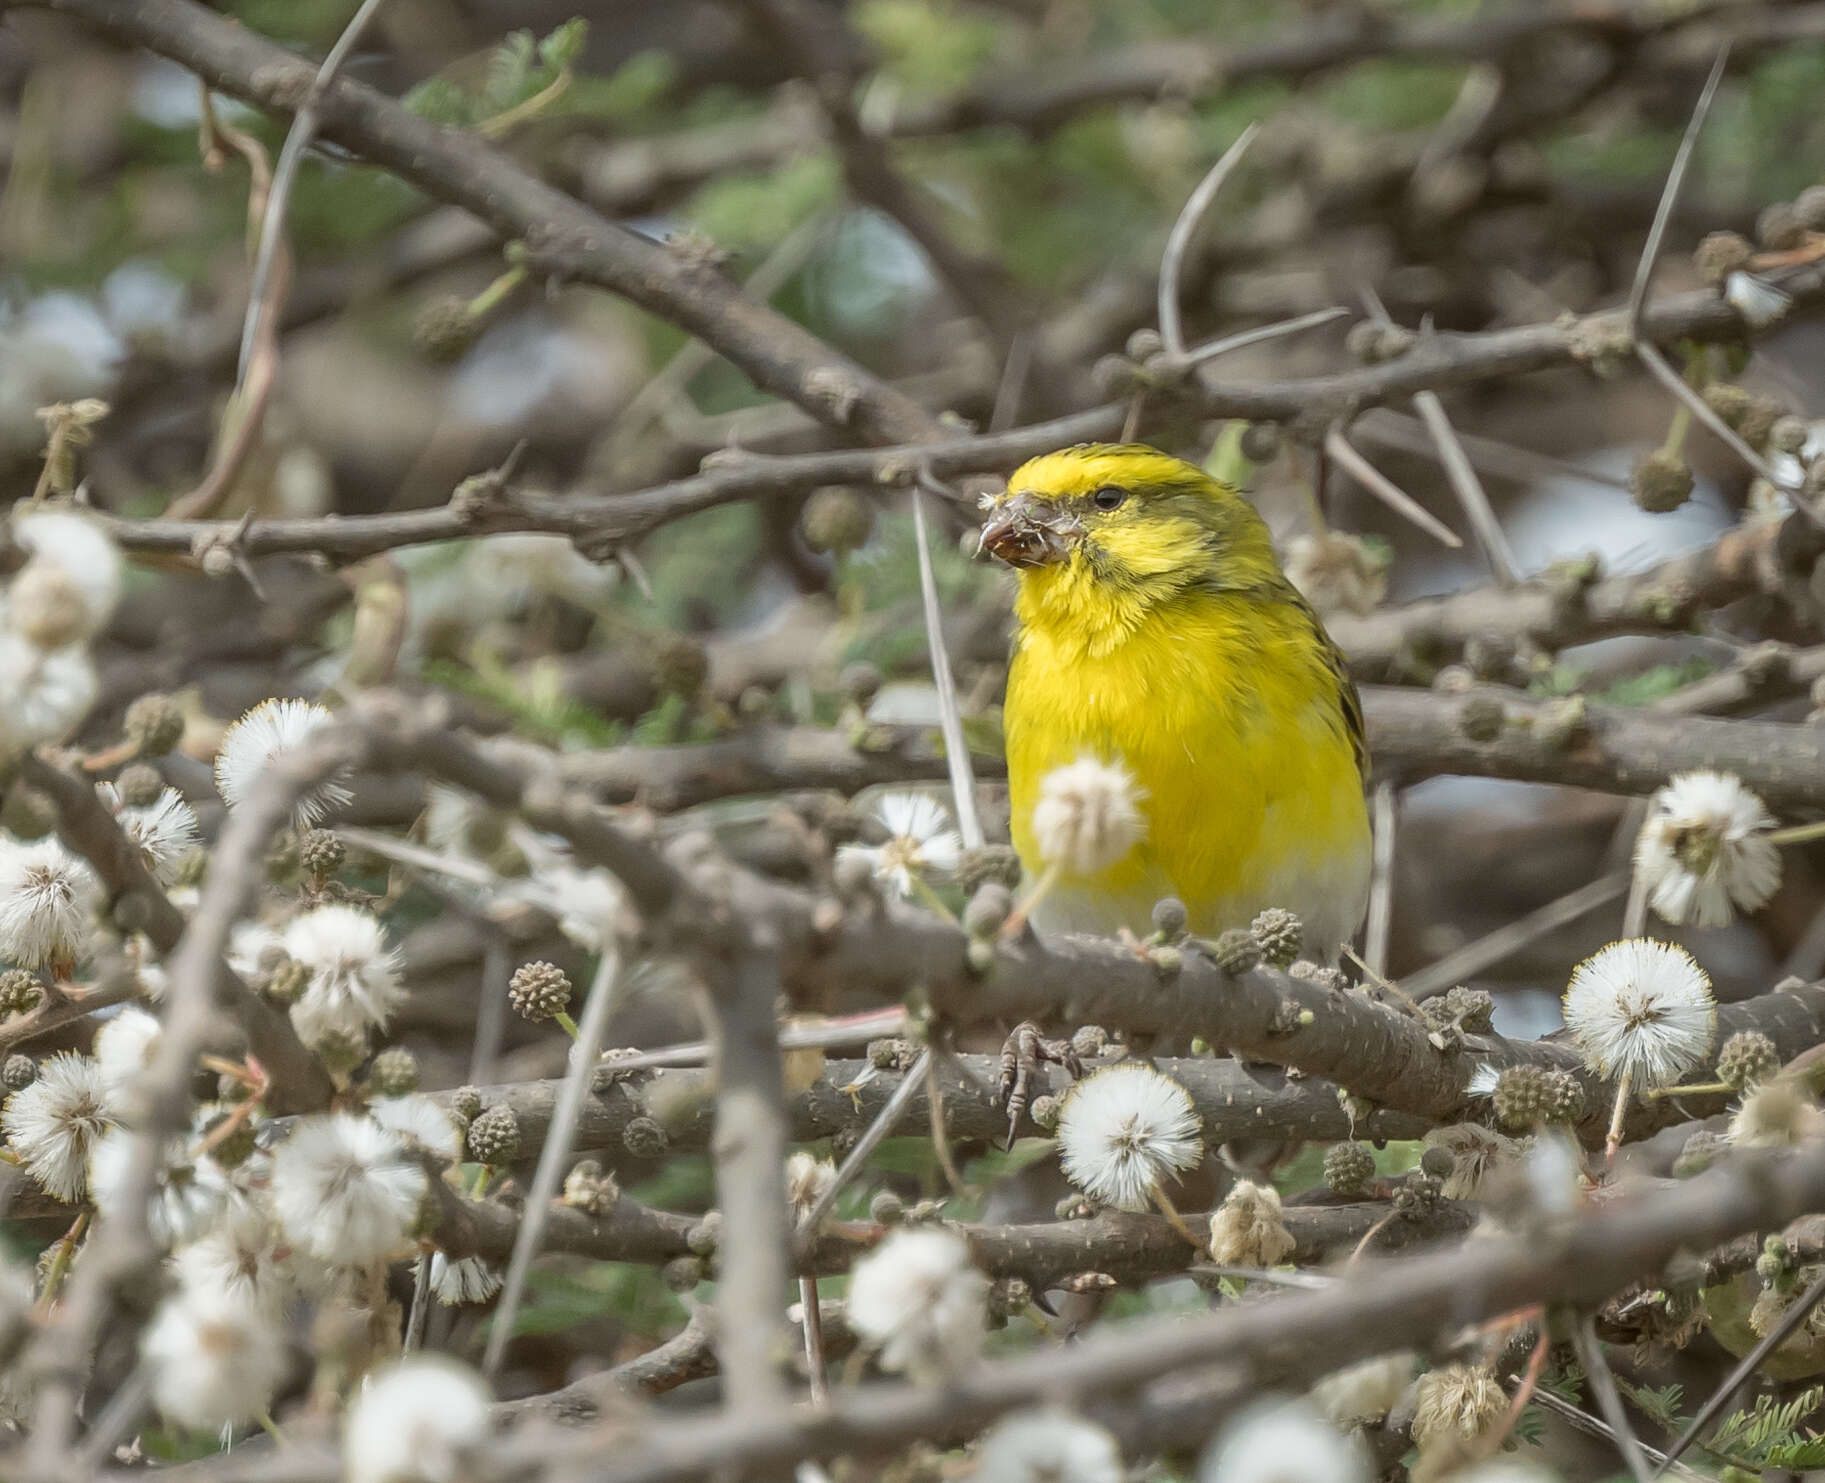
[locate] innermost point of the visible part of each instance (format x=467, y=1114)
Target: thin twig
x=813, y=1323
x=1385, y=489
x=1608, y=1398
x=558, y=1140
x=1746, y=1367
x=421, y=1303
x=1585, y=1422
x=883, y=1124
x=1178, y=240
x=950, y=716
x=1669, y=197
x=262, y=301
x=1211, y=349
x=1381, y=880
x=1682, y=390
x=1492, y=947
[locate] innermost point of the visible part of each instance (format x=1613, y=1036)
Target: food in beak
x=1021, y=535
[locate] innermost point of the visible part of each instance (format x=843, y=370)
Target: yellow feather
x=1169, y=641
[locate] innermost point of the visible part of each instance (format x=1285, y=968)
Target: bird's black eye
x=1109, y=497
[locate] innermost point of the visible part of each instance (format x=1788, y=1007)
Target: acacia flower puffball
x=164, y=831
x=48, y=900
x=1284, y=1442
x=353, y=981
x=1123, y=1131
x=241, y=1254
x=808, y=1180
x=417, y=1422
x=1048, y=1446
x=53, y=1124
x=213, y=1359
x=188, y=1190
x=917, y=1298
x=72, y=552
x=1088, y=816
x=1641, y=1009
x=921, y=842
x=416, y=1119
x=1704, y=853
x=272, y=727
x=43, y=693
x=345, y=1191
x=124, y=1047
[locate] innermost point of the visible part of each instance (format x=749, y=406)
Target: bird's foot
x=1022, y=1054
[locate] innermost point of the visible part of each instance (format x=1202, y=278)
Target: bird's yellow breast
x=1222, y=706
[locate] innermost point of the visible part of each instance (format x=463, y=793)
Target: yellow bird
x=1157, y=633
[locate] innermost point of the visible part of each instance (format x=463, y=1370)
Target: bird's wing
x=1349, y=703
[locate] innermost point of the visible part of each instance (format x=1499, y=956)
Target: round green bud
x=1809, y=208
x=988, y=910
x=1778, y=227
x=1348, y=1167
x=1261, y=442
x=1437, y=1162
x=644, y=1138
x=394, y=1072
x=465, y=1103
x=19, y=991
x=1277, y=933
x=1089, y=1041
x=886, y=1208
x=989, y=862
x=1170, y=917
x=233, y=1148
x=1720, y=254
x=539, y=991
x=154, y=724
x=19, y=1072
x=837, y=519
x=494, y=1137
x=321, y=853
x=1045, y=1110
x=1236, y=951
x=1660, y=482
x=704, y=1237
x=139, y=785
x=682, y=1273
x=445, y=329
x=1746, y=1058
x=286, y=979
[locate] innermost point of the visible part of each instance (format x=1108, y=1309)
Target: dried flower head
x=48, y=899
x=164, y=831
x=1088, y=816
x=272, y=727
x=43, y=693
x=920, y=1301
x=921, y=842
x=214, y=1360
x=1642, y=1010
x=417, y=1422
x=345, y=1190
x=1048, y=1446
x=53, y=1124
x=1248, y=1230
x=1284, y=1442
x=1704, y=853
x=353, y=985
x=1457, y=1404
x=1123, y=1131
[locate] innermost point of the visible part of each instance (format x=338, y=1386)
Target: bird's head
x=1126, y=523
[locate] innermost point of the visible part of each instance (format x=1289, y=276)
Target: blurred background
x=1473, y=167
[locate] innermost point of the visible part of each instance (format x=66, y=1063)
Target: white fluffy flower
x=587, y=903
x=354, y=977
x=164, y=831
x=188, y=1192
x=71, y=548
x=48, y=899
x=124, y=1047
x=42, y=694
x=240, y=1255
x=1704, y=849
x=470, y=1280
x=53, y=1123
x=1048, y=1446
x=1088, y=816
x=1641, y=1009
x=345, y=1191
x=918, y=1299
x=213, y=1359
x=416, y=1119
x=1249, y=1229
x=1124, y=1130
x=921, y=841
x=417, y=1422
x=1777, y=1113
x=272, y=727
x=1757, y=300
x=252, y=948
x=1284, y=1442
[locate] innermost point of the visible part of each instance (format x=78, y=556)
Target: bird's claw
x=1022, y=1054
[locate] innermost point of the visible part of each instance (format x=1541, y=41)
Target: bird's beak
x=1024, y=533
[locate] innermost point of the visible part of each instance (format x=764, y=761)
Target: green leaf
x=564, y=45
x=441, y=101
x=509, y=73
